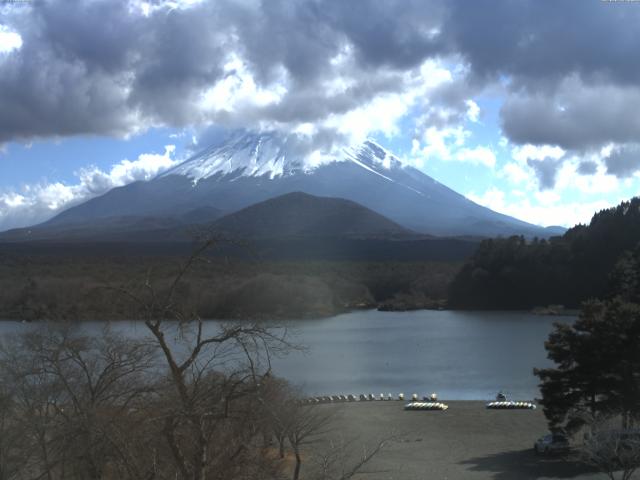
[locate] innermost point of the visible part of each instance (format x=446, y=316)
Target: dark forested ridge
x=513, y=273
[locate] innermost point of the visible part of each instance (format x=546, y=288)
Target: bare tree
x=214, y=376
x=71, y=393
x=304, y=426
x=338, y=461
x=610, y=449
x=12, y=456
x=276, y=398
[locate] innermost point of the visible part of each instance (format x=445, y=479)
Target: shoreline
x=286, y=318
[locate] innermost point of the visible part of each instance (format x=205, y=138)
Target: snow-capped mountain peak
x=269, y=154
x=371, y=152
x=245, y=154
x=373, y=157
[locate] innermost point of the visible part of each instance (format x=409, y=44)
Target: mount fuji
x=249, y=168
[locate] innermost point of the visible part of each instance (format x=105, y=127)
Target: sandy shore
x=465, y=442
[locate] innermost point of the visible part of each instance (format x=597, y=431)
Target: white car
x=551, y=444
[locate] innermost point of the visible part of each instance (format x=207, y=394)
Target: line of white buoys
x=426, y=406
x=511, y=405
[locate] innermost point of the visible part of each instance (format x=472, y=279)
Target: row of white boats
x=355, y=398
x=428, y=402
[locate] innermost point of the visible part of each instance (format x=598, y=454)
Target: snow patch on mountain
x=269, y=154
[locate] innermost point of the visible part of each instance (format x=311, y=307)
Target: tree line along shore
x=75, y=288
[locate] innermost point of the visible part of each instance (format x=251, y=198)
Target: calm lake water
x=459, y=355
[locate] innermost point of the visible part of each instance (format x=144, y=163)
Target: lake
x=459, y=355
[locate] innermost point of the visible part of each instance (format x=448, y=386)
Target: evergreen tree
x=597, y=366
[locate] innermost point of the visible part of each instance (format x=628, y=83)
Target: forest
x=516, y=273
x=84, y=287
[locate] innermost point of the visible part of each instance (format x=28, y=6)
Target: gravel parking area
x=465, y=442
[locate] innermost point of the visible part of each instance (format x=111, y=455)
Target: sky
x=528, y=107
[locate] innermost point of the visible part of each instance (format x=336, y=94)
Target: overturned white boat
x=426, y=406
x=511, y=405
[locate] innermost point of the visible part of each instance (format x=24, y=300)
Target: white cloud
x=536, y=152
x=519, y=170
x=493, y=197
x=147, y=8
x=238, y=90
x=12, y=200
x=544, y=208
x=473, y=111
x=443, y=135
x=547, y=198
x=569, y=178
x=383, y=113
x=415, y=146
x=550, y=206
x=517, y=173
x=477, y=156
x=448, y=144
x=442, y=142
x=9, y=40
x=36, y=203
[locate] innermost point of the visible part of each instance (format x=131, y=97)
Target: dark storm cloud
x=179, y=57
x=103, y=67
x=587, y=167
x=623, y=161
x=447, y=105
x=538, y=42
x=97, y=35
x=282, y=34
x=578, y=116
x=546, y=171
x=68, y=76
x=396, y=33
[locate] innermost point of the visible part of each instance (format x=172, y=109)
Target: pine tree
x=597, y=366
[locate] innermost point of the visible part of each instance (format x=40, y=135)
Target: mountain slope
x=301, y=214
x=292, y=227
x=249, y=168
x=291, y=215
x=127, y=228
